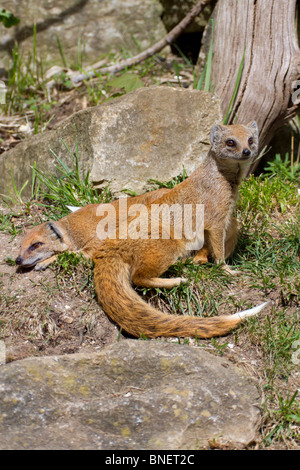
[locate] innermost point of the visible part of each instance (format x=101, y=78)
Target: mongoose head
x=40, y=243
x=235, y=142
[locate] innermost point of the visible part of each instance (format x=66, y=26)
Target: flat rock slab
x=150, y=133
x=133, y=395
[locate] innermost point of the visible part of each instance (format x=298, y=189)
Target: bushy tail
x=126, y=308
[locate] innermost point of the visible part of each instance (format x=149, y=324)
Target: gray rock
x=148, y=133
x=152, y=133
x=100, y=26
x=132, y=395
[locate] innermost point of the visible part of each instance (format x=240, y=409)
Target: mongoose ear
x=55, y=231
x=216, y=134
x=253, y=126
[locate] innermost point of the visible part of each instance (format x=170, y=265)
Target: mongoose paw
x=230, y=271
x=40, y=267
x=200, y=259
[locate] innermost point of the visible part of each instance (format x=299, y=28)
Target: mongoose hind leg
x=159, y=282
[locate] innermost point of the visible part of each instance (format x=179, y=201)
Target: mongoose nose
x=246, y=152
x=19, y=260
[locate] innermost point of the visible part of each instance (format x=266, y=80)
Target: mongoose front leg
x=217, y=239
x=42, y=265
x=229, y=270
x=230, y=243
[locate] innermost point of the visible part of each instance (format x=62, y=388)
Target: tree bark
x=266, y=31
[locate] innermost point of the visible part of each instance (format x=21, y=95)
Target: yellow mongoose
x=121, y=261
x=77, y=232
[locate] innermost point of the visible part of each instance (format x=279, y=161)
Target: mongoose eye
x=250, y=141
x=34, y=246
x=230, y=143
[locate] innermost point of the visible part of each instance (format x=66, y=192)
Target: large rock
x=101, y=26
x=133, y=395
x=149, y=133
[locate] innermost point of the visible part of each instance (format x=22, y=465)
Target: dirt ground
x=52, y=320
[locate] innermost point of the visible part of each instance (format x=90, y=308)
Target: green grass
x=73, y=269
x=169, y=184
x=67, y=187
x=269, y=242
x=8, y=225
x=282, y=418
x=236, y=89
x=276, y=336
x=204, y=82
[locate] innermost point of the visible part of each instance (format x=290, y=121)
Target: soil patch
x=39, y=317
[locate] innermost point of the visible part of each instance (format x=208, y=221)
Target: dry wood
x=168, y=39
x=266, y=31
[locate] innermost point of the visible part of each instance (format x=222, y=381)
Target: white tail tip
x=73, y=209
x=251, y=311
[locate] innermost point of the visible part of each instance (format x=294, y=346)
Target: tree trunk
x=266, y=31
